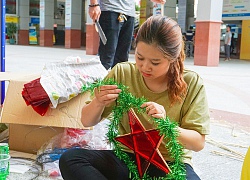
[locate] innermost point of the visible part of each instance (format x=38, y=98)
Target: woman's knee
x=67, y=157
x=64, y=159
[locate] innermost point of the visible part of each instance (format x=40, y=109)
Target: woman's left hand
x=155, y=110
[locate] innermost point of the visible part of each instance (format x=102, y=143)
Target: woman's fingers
x=108, y=91
x=155, y=110
x=107, y=94
x=108, y=87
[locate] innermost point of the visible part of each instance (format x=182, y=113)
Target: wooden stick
x=235, y=145
x=229, y=155
x=211, y=141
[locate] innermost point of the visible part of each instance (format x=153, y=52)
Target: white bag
x=64, y=80
x=222, y=49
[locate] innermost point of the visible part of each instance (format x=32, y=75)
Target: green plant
x=11, y=30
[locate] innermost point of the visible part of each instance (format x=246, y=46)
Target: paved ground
x=228, y=91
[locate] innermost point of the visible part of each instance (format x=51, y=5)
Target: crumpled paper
x=63, y=80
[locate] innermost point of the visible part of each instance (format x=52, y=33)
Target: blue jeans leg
x=227, y=51
x=189, y=48
x=124, y=41
x=119, y=37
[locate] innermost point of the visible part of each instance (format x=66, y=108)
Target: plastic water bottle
x=4, y=160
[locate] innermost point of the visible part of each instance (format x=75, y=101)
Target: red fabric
x=34, y=95
x=145, y=144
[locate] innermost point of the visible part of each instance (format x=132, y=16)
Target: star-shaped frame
x=145, y=144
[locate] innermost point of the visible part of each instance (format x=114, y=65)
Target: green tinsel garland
x=167, y=128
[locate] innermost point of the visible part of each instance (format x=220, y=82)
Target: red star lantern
x=145, y=144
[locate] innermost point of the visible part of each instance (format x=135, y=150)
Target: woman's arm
x=104, y=95
x=191, y=139
x=91, y=113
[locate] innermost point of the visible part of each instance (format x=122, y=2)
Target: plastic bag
x=89, y=139
x=75, y=138
x=64, y=80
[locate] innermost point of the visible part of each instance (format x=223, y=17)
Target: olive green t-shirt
x=191, y=113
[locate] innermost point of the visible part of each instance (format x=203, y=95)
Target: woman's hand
x=94, y=13
x=106, y=94
x=155, y=110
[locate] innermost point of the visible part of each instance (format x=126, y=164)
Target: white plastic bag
x=222, y=49
x=64, y=80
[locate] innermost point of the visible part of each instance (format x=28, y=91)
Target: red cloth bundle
x=34, y=95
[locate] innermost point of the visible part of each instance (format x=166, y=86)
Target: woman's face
x=151, y=62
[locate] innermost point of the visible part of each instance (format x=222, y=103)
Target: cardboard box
x=17, y=154
x=16, y=111
x=28, y=138
x=28, y=130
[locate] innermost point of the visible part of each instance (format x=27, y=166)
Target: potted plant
x=11, y=31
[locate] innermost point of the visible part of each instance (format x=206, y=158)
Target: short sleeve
x=230, y=35
x=195, y=111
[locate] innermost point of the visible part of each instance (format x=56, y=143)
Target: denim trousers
x=189, y=47
x=227, y=51
x=81, y=164
x=119, y=37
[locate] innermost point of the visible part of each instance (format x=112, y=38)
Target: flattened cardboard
x=15, y=110
x=18, y=154
x=29, y=139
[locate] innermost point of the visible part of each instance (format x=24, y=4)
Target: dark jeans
x=189, y=48
x=81, y=164
x=227, y=51
x=119, y=37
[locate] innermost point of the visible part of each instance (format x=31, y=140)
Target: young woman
x=158, y=75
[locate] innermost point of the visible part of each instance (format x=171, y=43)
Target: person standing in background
x=228, y=43
x=117, y=21
x=193, y=42
x=189, y=35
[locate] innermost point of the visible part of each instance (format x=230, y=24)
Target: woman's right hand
x=106, y=94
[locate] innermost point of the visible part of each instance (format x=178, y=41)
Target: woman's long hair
x=165, y=34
